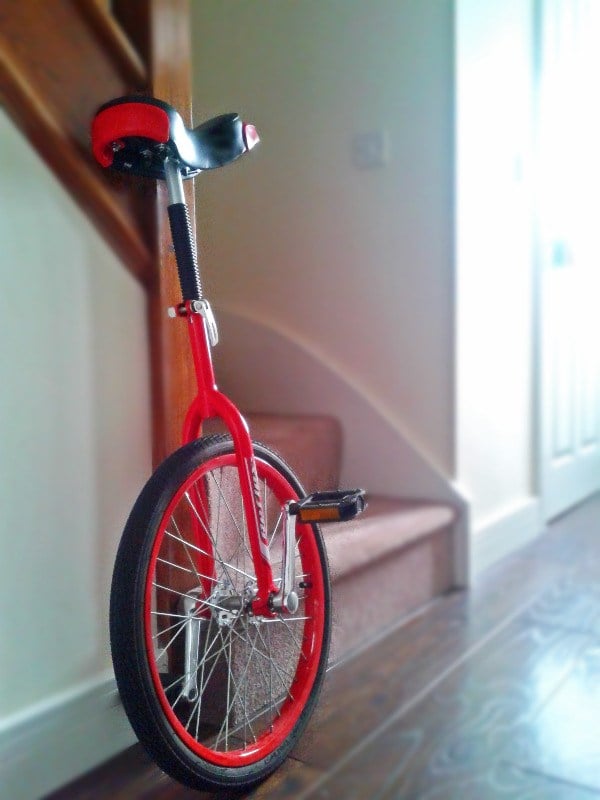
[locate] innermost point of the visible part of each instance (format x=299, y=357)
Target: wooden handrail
x=56, y=68
x=78, y=175
x=163, y=38
x=111, y=34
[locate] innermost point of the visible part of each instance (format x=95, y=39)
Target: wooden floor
x=494, y=693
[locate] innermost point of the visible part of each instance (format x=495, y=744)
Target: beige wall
x=355, y=263
x=75, y=450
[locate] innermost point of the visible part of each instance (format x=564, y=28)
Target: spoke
x=198, y=706
x=274, y=702
x=227, y=710
x=190, y=597
x=290, y=631
x=242, y=534
x=276, y=528
x=175, y=682
x=278, y=669
x=270, y=678
x=238, y=687
x=185, y=547
x=261, y=711
x=298, y=577
x=204, y=524
x=265, y=506
x=195, y=572
x=233, y=519
x=169, y=643
x=176, y=566
x=244, y=683
x=218, y=516
x=230, y=679
x=170, y=628
x=210, y=555
x=214, y=657
x=204, y=680
x=246, y=709
x=197, y=709
x=226, y=566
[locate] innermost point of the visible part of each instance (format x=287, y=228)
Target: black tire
x=180, y=735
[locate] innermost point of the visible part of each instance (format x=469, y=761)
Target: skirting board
x=55, y=743
x=505, y=535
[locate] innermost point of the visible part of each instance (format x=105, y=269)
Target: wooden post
x=172, y=368
x=160, y=29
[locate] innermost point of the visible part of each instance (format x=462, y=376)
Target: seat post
x=174, y=182
x=181, y=232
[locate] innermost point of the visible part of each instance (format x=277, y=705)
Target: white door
x=570, y=387
x=568, y=202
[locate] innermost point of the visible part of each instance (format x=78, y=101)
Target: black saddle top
x=136, y=134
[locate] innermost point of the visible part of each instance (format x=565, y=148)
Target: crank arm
x=337, y=506
x=193, y=626
x=286, y=598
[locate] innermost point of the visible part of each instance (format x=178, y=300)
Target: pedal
x=338, y=506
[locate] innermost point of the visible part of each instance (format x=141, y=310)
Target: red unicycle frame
x=210, y=402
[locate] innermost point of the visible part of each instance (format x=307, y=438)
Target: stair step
x=311, y=444
x=387, y=525
x=396, y=557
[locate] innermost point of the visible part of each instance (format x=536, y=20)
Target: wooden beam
x=112, y=36
x=170, y=79
x=160, y=30
x=59, y=61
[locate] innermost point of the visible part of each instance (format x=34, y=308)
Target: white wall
x=357, y=265
x=75, y=449
x=354, y=263
x=496, y=304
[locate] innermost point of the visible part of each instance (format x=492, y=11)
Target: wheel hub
x=228, y=605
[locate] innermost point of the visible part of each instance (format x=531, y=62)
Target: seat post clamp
x=203, y=308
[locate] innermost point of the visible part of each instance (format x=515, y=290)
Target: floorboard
x=491, y=693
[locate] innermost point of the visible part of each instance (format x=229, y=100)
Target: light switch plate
x=370, y=149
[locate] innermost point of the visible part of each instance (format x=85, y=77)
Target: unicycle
x=220, y=611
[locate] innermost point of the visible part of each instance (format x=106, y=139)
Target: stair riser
x=311, y=445
x=371, y=600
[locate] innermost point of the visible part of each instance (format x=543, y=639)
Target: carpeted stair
x=385, y=564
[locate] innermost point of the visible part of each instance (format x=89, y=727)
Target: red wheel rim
x=311, y=640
